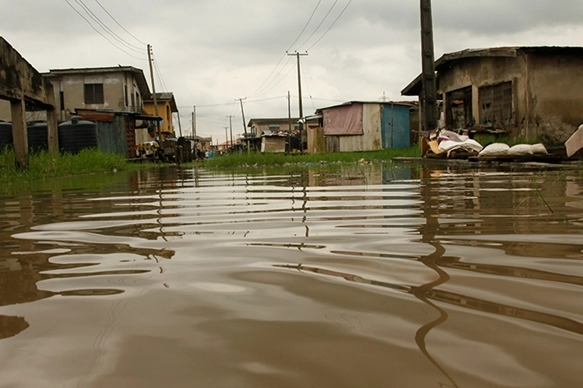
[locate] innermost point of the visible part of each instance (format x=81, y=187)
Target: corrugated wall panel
x=396, y=128
x=111, y=136
x=372, y=124
x=370, y=140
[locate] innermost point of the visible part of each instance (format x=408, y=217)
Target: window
x=62, y=100
x=94, y=94
x=496, y=106
x=458, y=111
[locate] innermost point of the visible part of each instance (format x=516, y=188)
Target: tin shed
x=365, y=126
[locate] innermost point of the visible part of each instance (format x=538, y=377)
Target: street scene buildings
x=515, y=91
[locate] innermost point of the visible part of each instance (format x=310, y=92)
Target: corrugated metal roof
x=274, y=120
x=403, y=103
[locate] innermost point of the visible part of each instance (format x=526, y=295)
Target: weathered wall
x=164, y=111
x=556, y=85
x=5, y=110
x=371, y=137
x=18, y=78
x=115, y=85
x=316, y=140
x=273, y=144
x=23, y=85
x=547, y=90
x=478, y=72
x=395, y=126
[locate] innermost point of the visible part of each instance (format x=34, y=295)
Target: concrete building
x=23, y=88
x=273, y=134
x=524, y=91
x=120, y=88
x=166, y=107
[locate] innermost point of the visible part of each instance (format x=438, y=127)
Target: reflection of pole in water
x=304, y=203
x=159, y=210
x=428, y=233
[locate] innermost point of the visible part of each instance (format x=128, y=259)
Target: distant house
x=201, y=143
x=119, y=88
x=526, y=91
x=273, y=134
x=166, y=107
x=361, y=126
x=258, y=127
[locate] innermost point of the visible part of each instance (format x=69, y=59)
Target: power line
x=107, y=29
x=235, y=103
x=283, y=56
x=334, y=22
x=308, y=87
x=316, y=29
x=129, y=33
x=281, y=79
x=260, y=90
x=303, y=29
x=159, y=74
x=100, y=33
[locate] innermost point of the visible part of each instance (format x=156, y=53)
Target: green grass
x=45, y=165
x=279, y=159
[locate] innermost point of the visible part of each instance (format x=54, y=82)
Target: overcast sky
x=211, y=52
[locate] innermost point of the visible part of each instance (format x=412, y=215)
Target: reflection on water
x=395, y=274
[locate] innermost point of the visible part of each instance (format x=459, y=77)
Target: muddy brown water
x=385, y=275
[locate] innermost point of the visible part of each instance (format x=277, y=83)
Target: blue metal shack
x=365, y=126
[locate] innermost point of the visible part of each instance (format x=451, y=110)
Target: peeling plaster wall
x=547, y=90
x=478, y=72
x=556, y=83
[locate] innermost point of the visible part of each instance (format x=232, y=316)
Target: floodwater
x=381, y=275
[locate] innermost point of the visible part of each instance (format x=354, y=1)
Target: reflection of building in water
x=492, y=200
x=10, y=326
x=360, y=174
x=18, y=278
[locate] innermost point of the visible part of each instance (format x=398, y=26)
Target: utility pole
x=179, y=124
x=244, y=124
x=154, y=93
x=194, y=120
x=231, y=128
x=297, y=54
x=429, y=92
x=289, y=122
x=226, y=138
x=243, y=114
